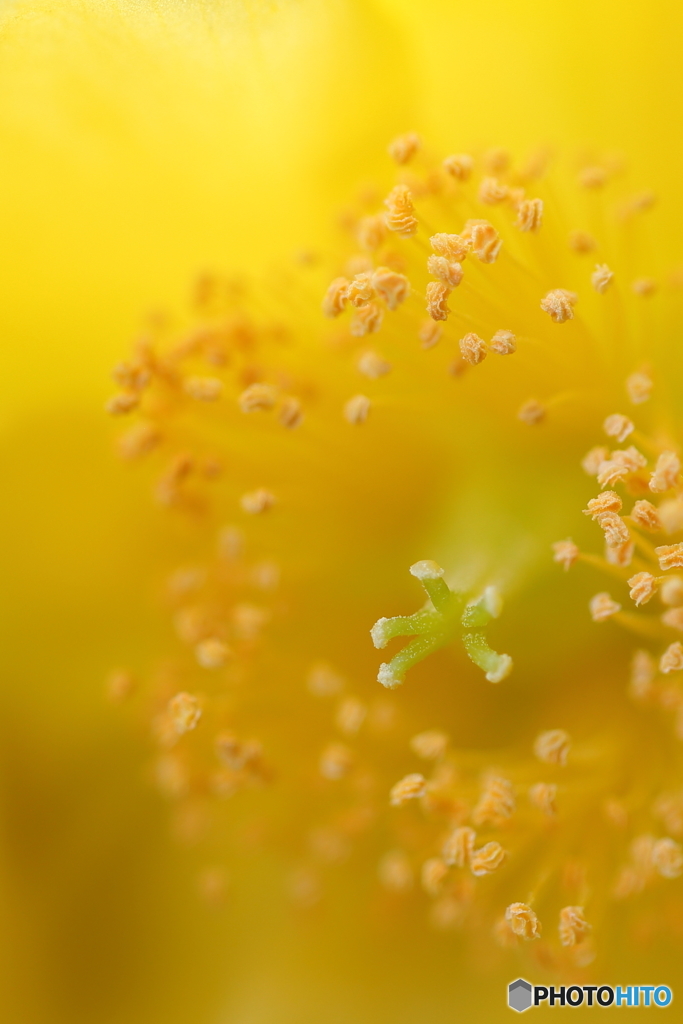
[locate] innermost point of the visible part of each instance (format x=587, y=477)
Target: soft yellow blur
x=140, y=144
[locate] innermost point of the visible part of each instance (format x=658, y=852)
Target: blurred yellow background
x=141, y=143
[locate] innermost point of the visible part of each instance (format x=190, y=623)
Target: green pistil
x=434, y=627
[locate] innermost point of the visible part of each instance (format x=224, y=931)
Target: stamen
x=593, y=177
x=593, y=460
x=371, y=232
x=643, y=671
x=614, y=527
x=336, y=762
x=203, y=389
x=523, y=921
x=360, y=290
x=644, y=286
x=125, y=402
x=290, y=413
x=553, y=746
x=601, y=277
x=671, y=591
x=350, y=715
x=395, y=871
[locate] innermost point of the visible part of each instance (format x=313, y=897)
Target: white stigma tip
x=378, y=633
x=426, y=570
x=386, y=677
x=502, y=671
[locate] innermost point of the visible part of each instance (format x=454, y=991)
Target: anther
x=573, y=925
x=667, y=857
x=404, y=147
x=391, y=286
x=532, y=412
x=603, y=607
x=565, y=553
x=473, y=349
x=212, y=653
x=552, y=746
x=496, y=803
x=290, y=413
x=335, y=297
x=542, y=795
x=429, y=333
x=492, y=191
x=400, y=216
x=430, y=745
x=593, y=460
x=529, y=215
x=671, y=591
x=452, y=247
x=644, y=287
x=487, y=859
x=672, y=659
x=437, y=300
x=484, y=239
x=639, y=387
x=357, y=409
x=445, y=270
x=336, y=761
x=504, y=343
x=371, y=232
x=459, y=166
x=433, y=875
x=618, y=426
x=373, y=366
x=203, y=389
x=256, y=502
x=643, y=587
x=185, y=712
x=670, y=556
x=366, y=320
x=411, y=787
x=608, y=501
x=666, y=471
x=593, y=177
x=125, y=402
x=643, y=670
x=459, y=846
x=601, y=277
x=582, y=243
x=360, y=290
x=257, y=398
x=523, y=921
x=395, y=871
x=559, y=305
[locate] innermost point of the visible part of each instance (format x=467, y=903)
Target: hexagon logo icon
x=519, y=995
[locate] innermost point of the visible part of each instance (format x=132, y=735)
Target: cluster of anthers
x=208, y=397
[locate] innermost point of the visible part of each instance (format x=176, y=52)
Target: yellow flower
x=414, y=388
